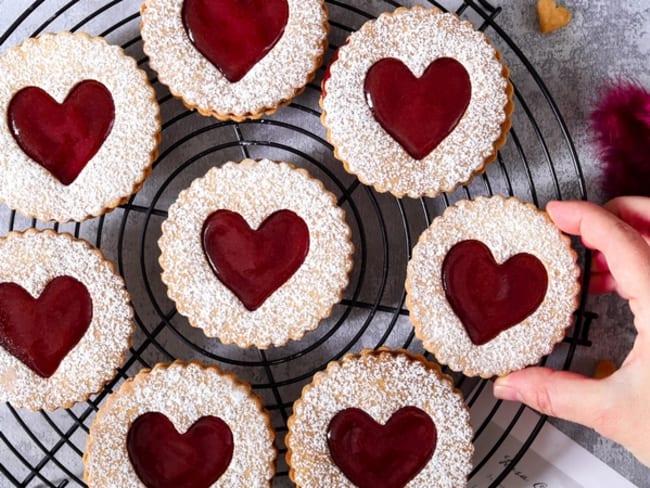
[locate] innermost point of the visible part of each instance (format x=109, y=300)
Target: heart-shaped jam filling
x=370, y=454
x=418, y=112
x=488, y=297
x=62, y=137
x=41, y=331
x=255, y=263
x=163, y=458
x=234, y=34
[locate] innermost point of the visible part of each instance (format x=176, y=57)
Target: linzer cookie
x=79, y=130
x=492, y=286
x=255, y=253
x=66, y=320
x=182, y=425
x=232, y=59
x=380, y=418
x=416, y=102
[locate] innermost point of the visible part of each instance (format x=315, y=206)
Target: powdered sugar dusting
x=508, y=227
x=275, y=79
x=256, y=189
x=380, y=384
x=33, y=259
x=416, y=36
x=56, y=63
x=184, y=393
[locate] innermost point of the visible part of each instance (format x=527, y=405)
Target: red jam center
x=235, y=34
x=41, y=331
x=487, y=297
x=62, y=137
x=372, y=455
x=253, y=264
x=418, y=112
x=163, y=458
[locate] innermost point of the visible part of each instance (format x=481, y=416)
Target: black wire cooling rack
x=538, y=163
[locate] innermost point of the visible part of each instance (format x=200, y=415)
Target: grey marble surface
x=605, y=39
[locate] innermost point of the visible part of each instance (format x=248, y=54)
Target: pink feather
x=621, y=126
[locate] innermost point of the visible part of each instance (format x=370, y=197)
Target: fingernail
x=507, y=393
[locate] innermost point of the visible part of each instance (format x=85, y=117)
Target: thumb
x=556, y=393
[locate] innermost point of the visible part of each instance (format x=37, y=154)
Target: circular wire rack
x=538, y=163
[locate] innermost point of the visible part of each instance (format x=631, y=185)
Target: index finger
x=627, y=253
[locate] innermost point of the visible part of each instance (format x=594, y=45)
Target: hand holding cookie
x=615, y=406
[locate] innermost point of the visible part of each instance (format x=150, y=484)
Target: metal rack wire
x=538, y=163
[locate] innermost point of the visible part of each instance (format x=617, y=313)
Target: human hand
x=617, y=406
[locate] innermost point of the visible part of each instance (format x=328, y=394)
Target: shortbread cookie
x=492, y=286
x=551, y=17
x=185, y=425
x=79, y=130
x=380, y=418
x=66, y=320
x=231, y=59
x=416, y=102
x=255, y=253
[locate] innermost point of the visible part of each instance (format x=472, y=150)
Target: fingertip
x=554, y=208
x=565, y=214
x=504, y=392
x=509, y=387
x=552, y=205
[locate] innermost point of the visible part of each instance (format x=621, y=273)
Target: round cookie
x=255, y=253
x=416, y=102
x=491, y=286
x=380, y=418
x=235, y=60
x=80, y=127
x=67, y=322
x=182, y=425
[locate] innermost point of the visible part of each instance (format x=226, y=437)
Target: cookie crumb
x=551, y=17
x=603, y=369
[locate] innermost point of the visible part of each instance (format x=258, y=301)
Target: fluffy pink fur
x=621, y=126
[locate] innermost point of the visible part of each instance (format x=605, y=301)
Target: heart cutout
x=418, y=112
x=41, y=331
x=234, y=34
x=253, y=264
x=551, y=17
x=370, y=454
x=62, y=137
x=488, y=297
x=163, y=458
